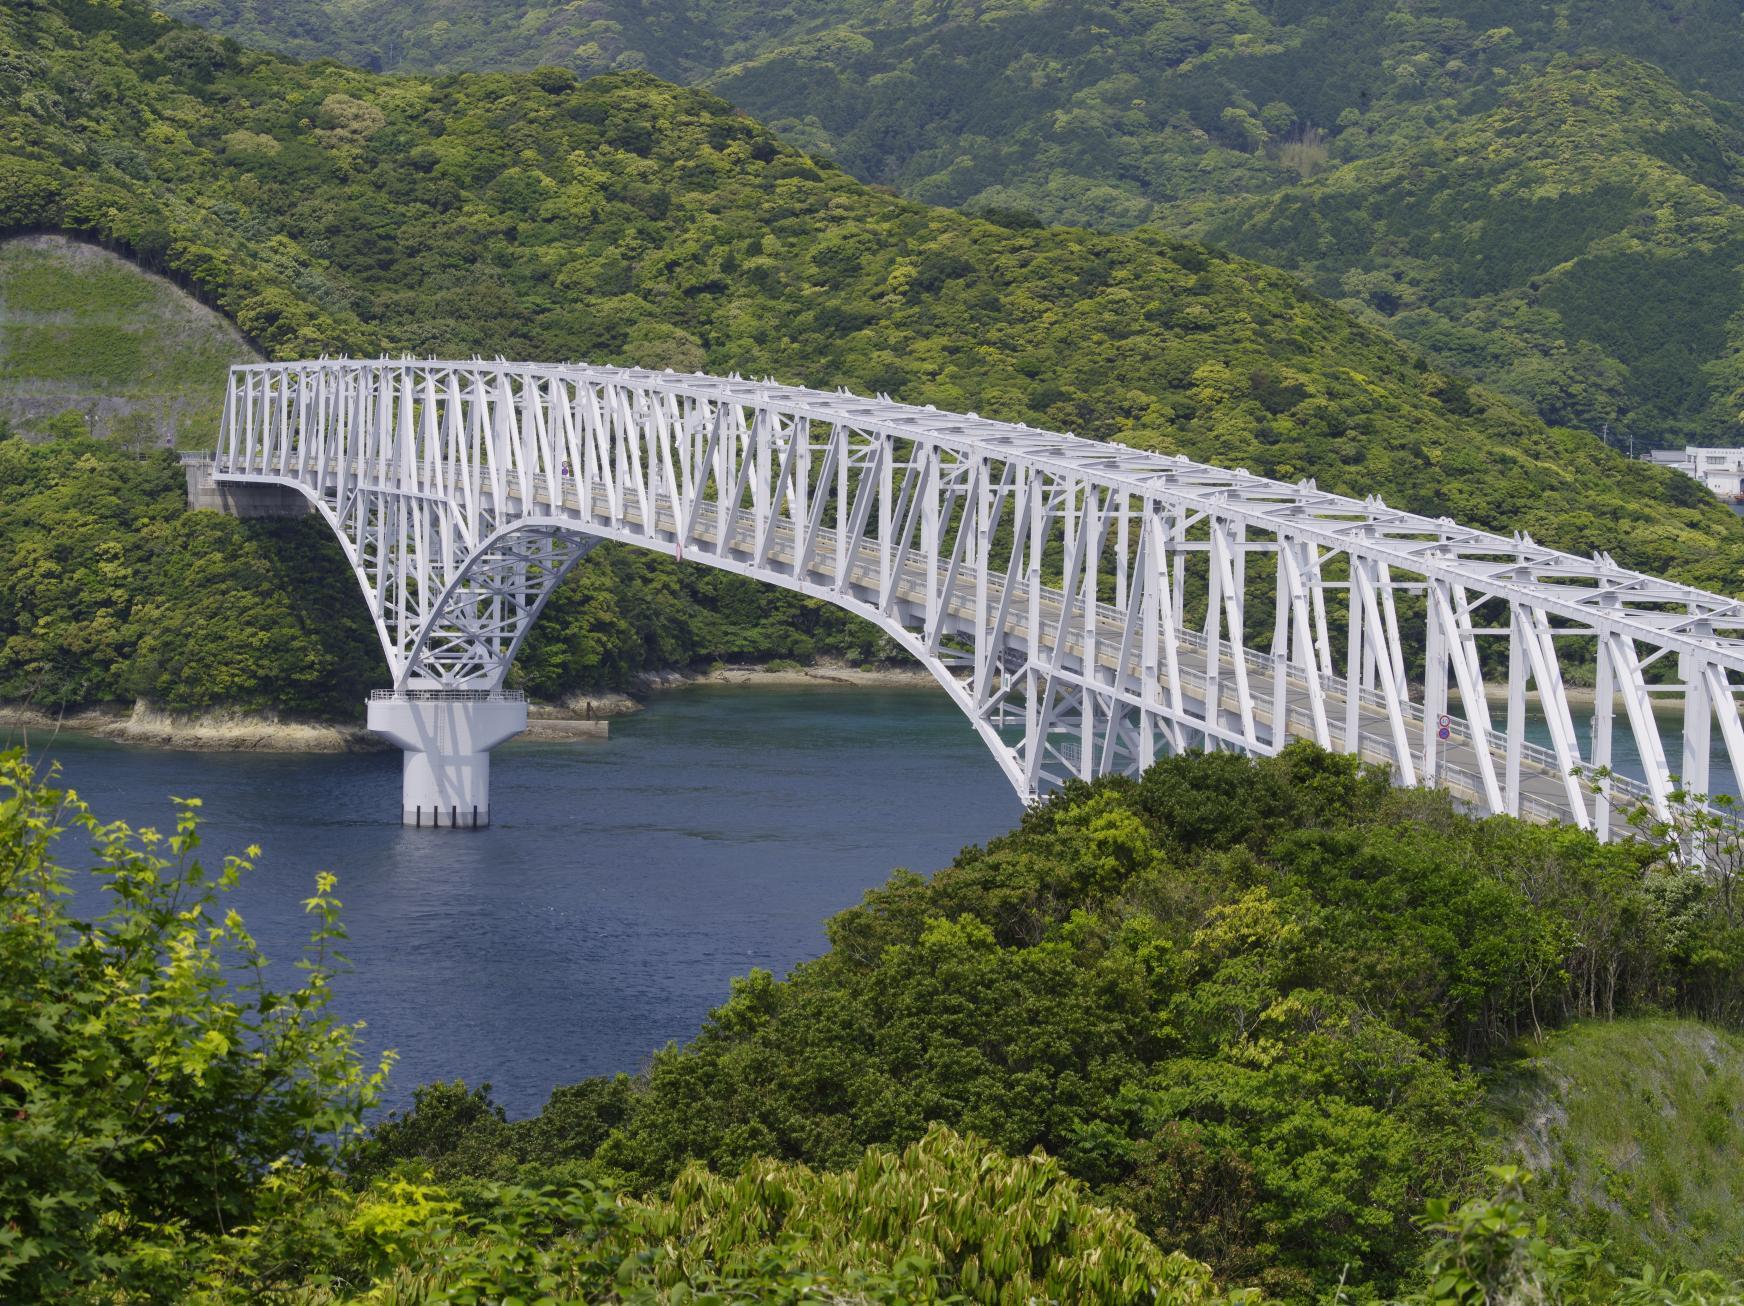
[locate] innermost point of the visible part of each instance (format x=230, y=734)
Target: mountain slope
x=83, y=331
x=1115, y=115
x=627, y=220
x=1581, y=245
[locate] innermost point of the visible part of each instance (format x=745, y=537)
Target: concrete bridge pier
x=447, y=736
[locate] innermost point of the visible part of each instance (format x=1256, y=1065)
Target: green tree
x=149, y=1076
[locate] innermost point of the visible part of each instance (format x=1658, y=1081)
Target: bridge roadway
x=1542, y=791
x=939, y=528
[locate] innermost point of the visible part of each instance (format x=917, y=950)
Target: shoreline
x=1580, y=698
x=823, y=674
x=145, y=726
x=579, y=717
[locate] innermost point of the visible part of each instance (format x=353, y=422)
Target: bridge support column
x=447, y=736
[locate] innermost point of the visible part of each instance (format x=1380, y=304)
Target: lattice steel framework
x=1086, y=605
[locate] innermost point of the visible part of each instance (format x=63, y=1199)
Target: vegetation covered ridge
x=1116, y=115
x=1255, y=1003
x=1581, y=246
x=627, y=220
x=1214, y=1035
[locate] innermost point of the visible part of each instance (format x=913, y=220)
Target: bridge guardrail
x=447, y=695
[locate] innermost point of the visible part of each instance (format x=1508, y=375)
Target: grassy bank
x=89, y=341
x=1634, y=1129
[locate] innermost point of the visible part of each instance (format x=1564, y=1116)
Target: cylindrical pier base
x=447, y=736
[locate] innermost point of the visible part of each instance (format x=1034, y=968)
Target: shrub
x=149, y=1077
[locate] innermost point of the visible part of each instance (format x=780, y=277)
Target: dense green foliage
x=943, y=1220
x=148, y=1074
x=1496, y=1249
x=110, y=590
x=1573, y=237
x=1246, y=1001
x=626, y=220
x=1566, y=231
x=625, y=611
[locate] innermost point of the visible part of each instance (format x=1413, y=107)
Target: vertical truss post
x=1364, y=577
x=1698, y=715
x=1604, y=713
x=1434, y=690
x=1356, y=636
x=1626, y=666
x=1516, y=706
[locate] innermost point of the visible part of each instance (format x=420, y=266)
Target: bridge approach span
x=1087, y=605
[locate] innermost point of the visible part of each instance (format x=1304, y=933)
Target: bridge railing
x=417, y=695
x=423, y=465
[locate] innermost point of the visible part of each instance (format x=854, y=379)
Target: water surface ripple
x=622, y=884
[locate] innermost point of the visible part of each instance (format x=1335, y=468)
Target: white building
x=1721, y=470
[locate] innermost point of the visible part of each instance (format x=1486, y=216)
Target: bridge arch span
x=1087, y=606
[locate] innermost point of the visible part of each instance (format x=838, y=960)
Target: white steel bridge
x=1086, y=605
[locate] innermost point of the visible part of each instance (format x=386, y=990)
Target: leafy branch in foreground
x=945, y=1219
x=1495, y=1249
x=149, y=1075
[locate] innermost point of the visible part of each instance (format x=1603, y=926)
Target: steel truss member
x=1086, y=605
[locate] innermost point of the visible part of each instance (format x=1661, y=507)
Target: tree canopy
x=1492, y=180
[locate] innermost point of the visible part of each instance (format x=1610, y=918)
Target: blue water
x=624, y=882
x=1625, y=755
x=622, y=885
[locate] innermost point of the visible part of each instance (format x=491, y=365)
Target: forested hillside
x=1219, y=1034
x=1115, y=115
x=627, y=220
x=1580, y=244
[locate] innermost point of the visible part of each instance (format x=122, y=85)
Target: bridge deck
x=1542, y=792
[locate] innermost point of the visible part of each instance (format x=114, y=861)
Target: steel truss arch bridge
x=1087, y=606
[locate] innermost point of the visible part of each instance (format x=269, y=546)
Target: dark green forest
x=111, y=591
x=1387, y=151
x=1221, y=1033
x=626, y=220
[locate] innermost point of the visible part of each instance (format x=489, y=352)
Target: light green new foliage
x=968, y=1220
x=946, y=1219
x=1634, y=1128
x=148, y=1074
x=89, y=340
x=1496, y=1251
